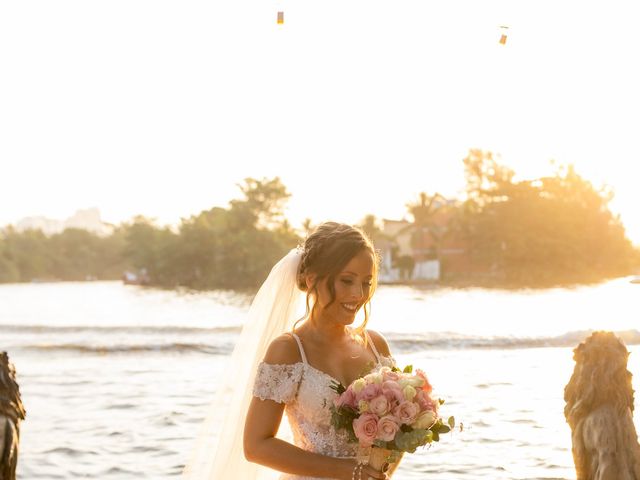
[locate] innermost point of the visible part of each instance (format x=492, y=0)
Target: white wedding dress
x=307, y=396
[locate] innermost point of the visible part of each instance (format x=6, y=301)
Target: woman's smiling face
x=352, y=286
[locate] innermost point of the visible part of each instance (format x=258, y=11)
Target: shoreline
x=452, y=283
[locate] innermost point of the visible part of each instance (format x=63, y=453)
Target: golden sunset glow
x=357, y=107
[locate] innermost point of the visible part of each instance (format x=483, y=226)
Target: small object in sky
x=280, y=18
x=503, y=36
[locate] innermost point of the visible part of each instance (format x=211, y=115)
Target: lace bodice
x=307, y=396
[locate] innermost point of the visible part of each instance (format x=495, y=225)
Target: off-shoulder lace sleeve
x=278, y=382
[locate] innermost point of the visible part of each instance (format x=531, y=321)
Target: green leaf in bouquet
x=441, y=401
x=444, y=429
x=436, y=436
x=337, y=387
x=429, y=436
x=406, y=428
x=342, y=419
x=452, y=422
x=410, y=441
x=440, y=427
x=395, y=369
x=408, y=369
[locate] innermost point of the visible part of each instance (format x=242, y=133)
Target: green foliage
x=451, y=421
x=435, y=219
x=74, y=254
x=541, y=232
x=231, y=247
x=342, y=419
x=218, y=248
x=440, y=427
x=410, y=441
x=8, y=270
x=337, y=387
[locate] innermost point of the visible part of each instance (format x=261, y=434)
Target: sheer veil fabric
x=218, y=452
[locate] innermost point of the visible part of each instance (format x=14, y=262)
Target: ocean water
x=116, y=379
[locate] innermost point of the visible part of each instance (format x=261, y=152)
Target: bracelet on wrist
x=357, y=468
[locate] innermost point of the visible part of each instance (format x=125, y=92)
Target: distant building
x=88, y=219
x=422, y=253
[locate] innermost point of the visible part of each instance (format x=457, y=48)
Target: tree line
x=547, y=231
x=550, y=230
x=230, y=247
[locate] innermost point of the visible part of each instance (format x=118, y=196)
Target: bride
x=277, y=368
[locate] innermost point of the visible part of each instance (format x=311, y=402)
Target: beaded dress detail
x=307, y=396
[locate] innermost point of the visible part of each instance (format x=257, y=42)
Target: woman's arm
x=261, y=446
x=262, y=423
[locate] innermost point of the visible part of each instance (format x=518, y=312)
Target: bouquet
x=388, y=412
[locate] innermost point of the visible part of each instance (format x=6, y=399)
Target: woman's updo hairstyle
x=326, y=252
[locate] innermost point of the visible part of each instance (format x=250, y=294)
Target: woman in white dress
x=294, y=365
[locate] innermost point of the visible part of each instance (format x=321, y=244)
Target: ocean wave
x=95, y=340
x=407, y=343
x=146, y=348
x=153, y=330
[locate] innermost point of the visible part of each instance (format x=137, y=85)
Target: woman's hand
x=368, y=472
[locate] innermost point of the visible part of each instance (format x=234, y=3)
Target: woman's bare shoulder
x=283, y=350
x=380, y=342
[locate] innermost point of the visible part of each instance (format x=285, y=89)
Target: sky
x=161, y=108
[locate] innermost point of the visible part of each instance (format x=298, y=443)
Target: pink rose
x=393, y=392
x=388, y=426
x=390, y=385
x=391, y=376
x=348, y=398
x=427, y=386
x=425, y=401
x=379, y=405
x=370, y=392
x=366, y=428
x=407, y=412
x=421, y=400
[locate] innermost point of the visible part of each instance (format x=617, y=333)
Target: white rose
x=409, y=392
x=425, y=420
x=415, y=382
x=358, y=385
x=363, y=406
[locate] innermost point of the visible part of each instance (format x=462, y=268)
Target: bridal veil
x=218, y=452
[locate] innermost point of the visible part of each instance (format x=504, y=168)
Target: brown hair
x=326, y=251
